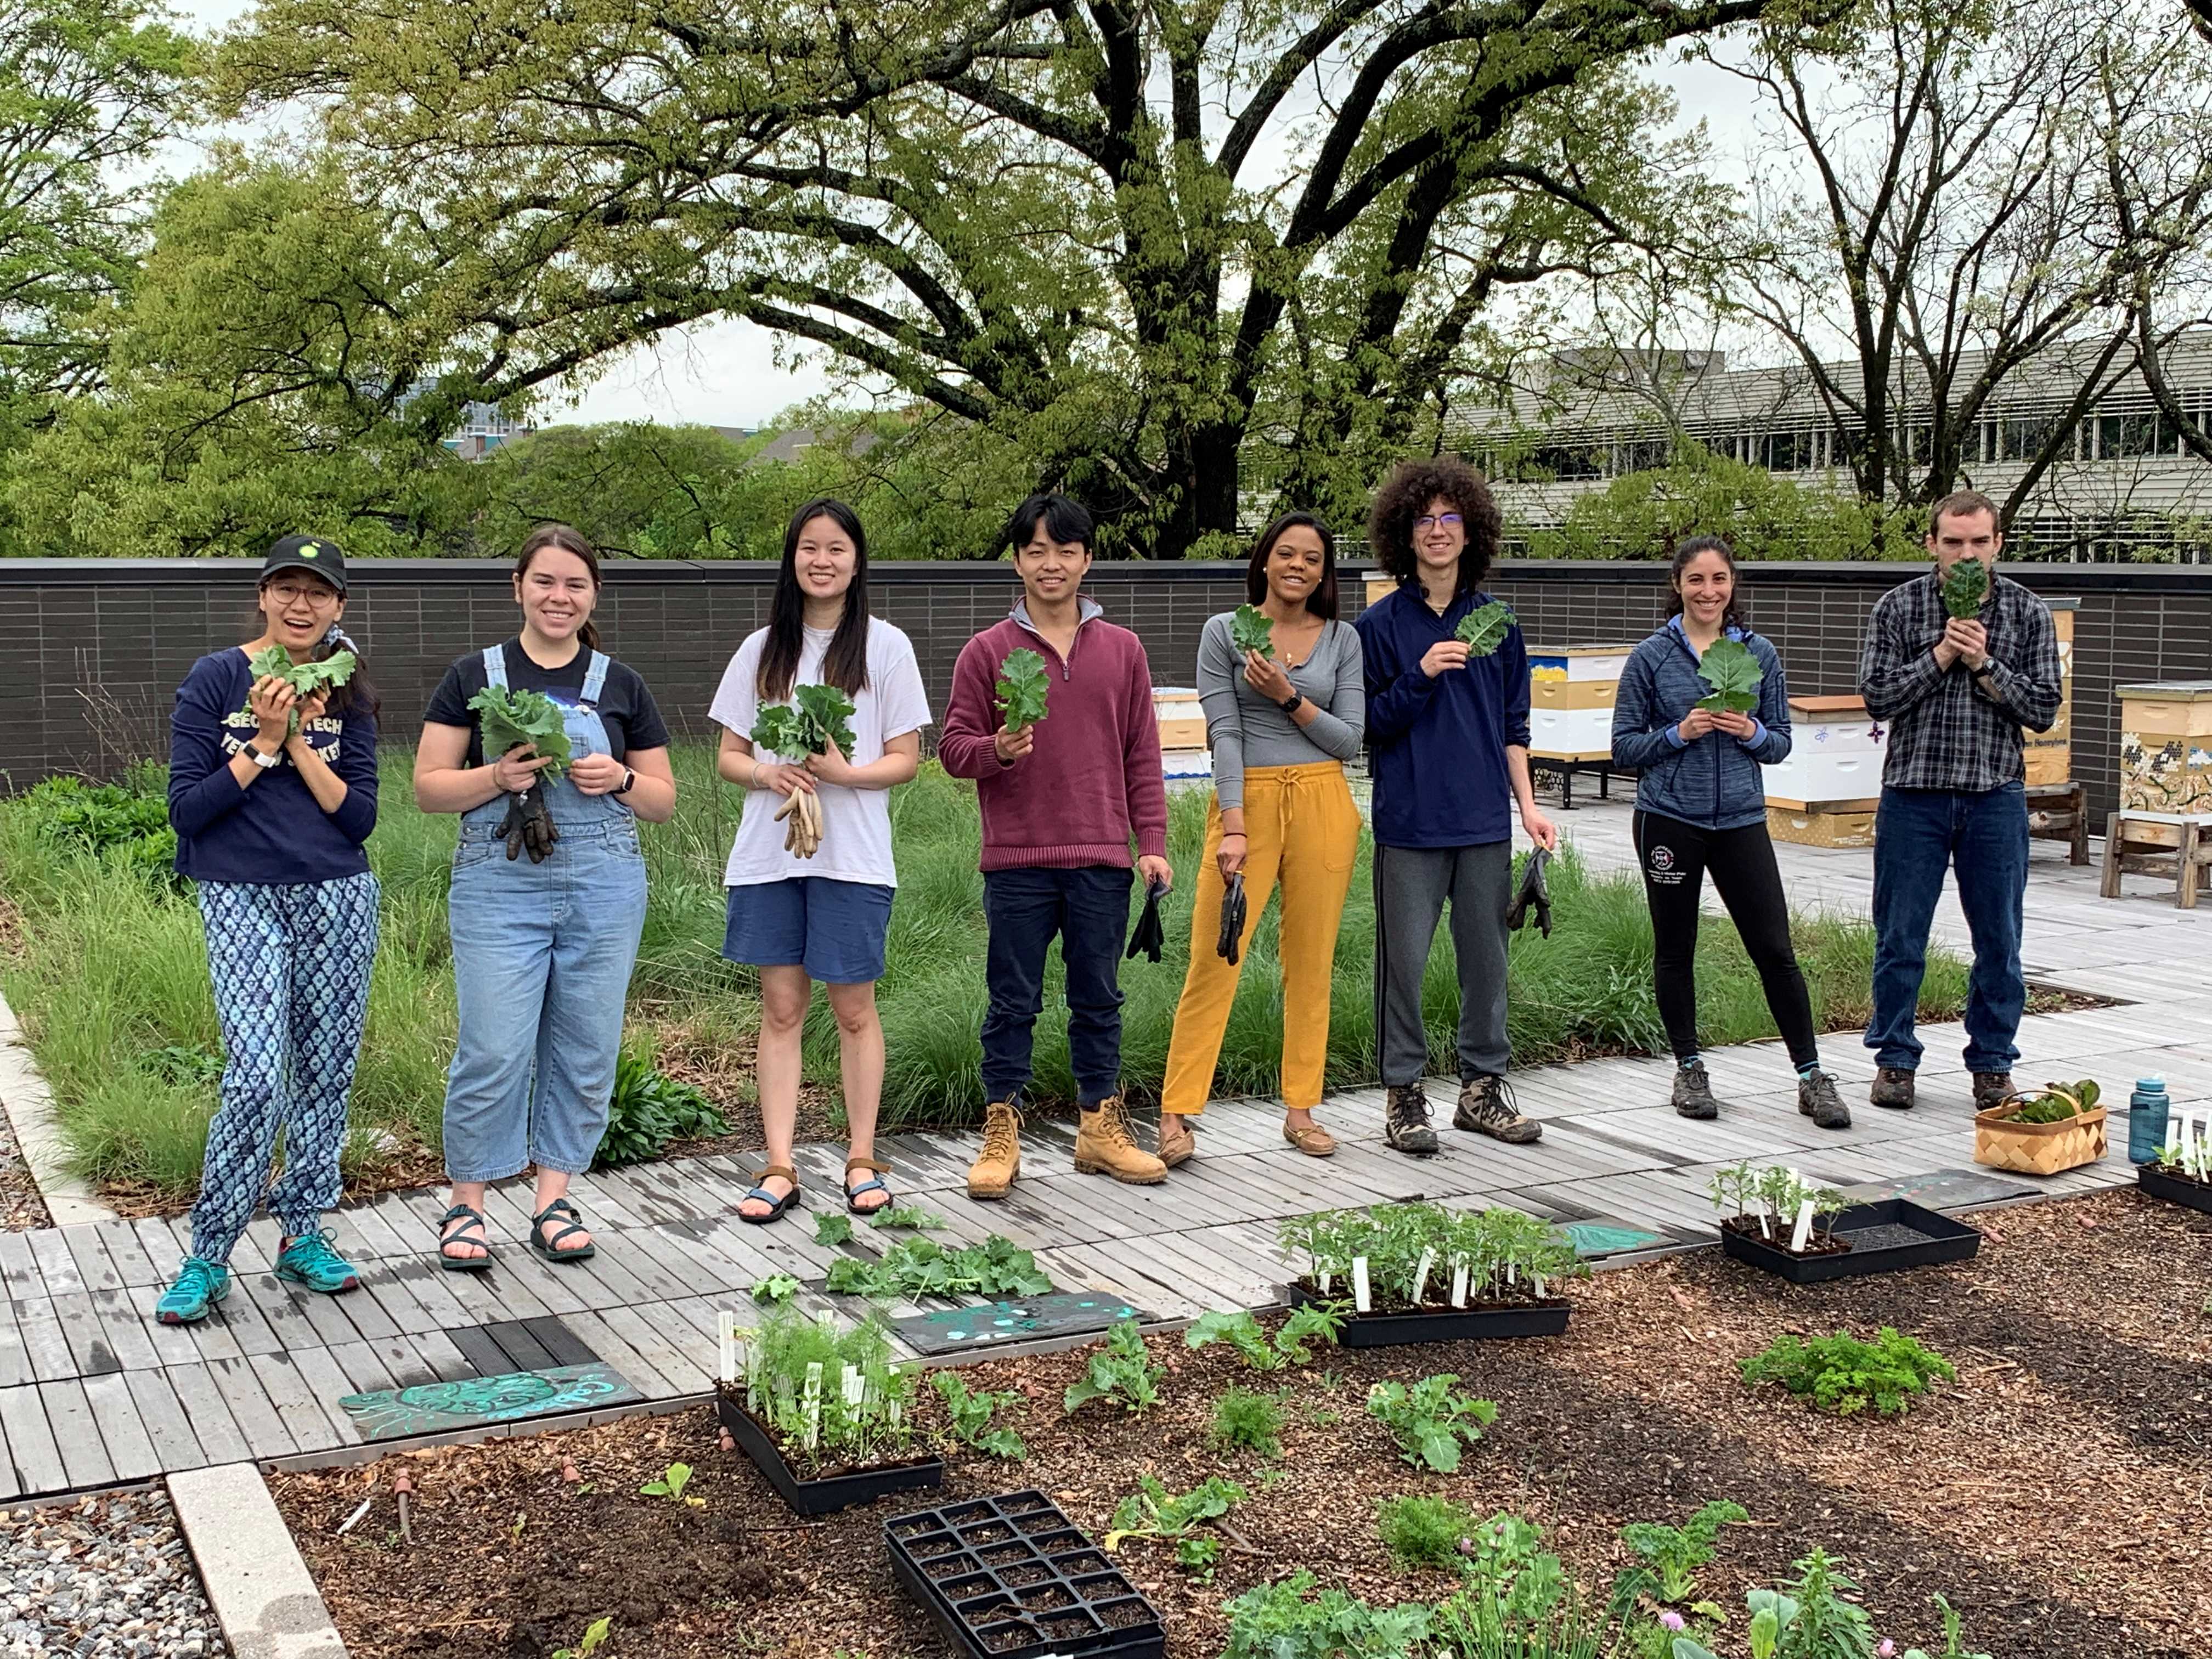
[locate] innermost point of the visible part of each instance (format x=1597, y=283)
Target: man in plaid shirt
x=1957, y=695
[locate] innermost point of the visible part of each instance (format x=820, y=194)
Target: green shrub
x=1675, y=1553
x=648, y=1109
x=1287, y=1619
x=1844, y=1375
x=1430, y=1419
x=1246, y=1421
x=1421, y=1531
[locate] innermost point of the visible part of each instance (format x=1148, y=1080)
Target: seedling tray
x=827, y=1494
x=1011, y=1577
x=1392, y=1330
x=1941, y=1239
x=2174, y=1188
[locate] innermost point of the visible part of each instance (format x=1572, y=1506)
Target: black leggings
x=1675, y=857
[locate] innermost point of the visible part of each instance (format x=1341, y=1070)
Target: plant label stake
x=1459, y=1283
x=854, y=1388
x=1421, y=1272
x=1540, y=1285
x=1361, y=1301
x=1510, y=1270
x=1323, y=1278
x=811, y=1402
x=726, y=1327
x=1803, y=1230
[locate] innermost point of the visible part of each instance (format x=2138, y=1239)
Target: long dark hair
x=845, y=665
x=358, y=696
x=1321, y=602
x=568, y=540
x=1407, y=494
x=1688, y=549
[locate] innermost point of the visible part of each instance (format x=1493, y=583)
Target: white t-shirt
x=856, y=823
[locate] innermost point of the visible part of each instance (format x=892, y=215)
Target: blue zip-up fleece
x=1436, y=747
x=1714, y=781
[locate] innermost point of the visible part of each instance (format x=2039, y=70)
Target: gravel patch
x=105, y=1578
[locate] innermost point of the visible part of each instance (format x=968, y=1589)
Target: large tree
x=1167, y=251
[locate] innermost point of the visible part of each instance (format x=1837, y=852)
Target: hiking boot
x=1177, y=1146
x=1103, y=1146
x=1405, y=1120
x=1892, y=1087
x=992, y=1173
x=1485, y=1106
x=312, y=1259
x=1818, y=1099
x=1992, y=1088
x=1693, y=1093
x=199, y=1285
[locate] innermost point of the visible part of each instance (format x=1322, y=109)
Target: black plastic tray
x=1946, y=1240
x=989, y=1573
x=2174, y=1188
x=1391, y=1330
x=830, y=1492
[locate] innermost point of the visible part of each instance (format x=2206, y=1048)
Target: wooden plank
x=446, y=1361
x=77, y=1431
x=632, y=1365
x=364, y=1312
x=524, y=1351
x=201, y=1404
x=129, y=1448
x=401, y=1362
x=15, y=1356
x=120, y=1317
x=137, y=1270
x=87, y=1337
x=44, y=1343
x=57, y=1266
x=563, y=1345
x=31, y=1447
x=19, y=1270
x=327, y=1384
x=288, y=1392
x=374, y=1238
x=665, y=1349
x=485, y=1357
x=322, y=1313
x=250, y=1409
x=93, y=1264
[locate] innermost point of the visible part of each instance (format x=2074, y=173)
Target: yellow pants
x=1302, y=830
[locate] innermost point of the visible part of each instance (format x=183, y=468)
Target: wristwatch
x=264, y=762
x=1291, y=706
x=1981, y=673
x=628, y=778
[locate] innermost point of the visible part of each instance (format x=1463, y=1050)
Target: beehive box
x=1822, y=826
x=1180, y=717
x=1835, y=759
x=1571, y=691
x=2050, y=754
x=2166, y=747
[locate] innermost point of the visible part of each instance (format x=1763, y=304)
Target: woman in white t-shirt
x=800, y=920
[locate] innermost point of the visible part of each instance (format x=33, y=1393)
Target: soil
x=2060, y=1493
x=1817, y=1244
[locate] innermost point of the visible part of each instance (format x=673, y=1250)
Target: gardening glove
x=528, y=826
x=1150, y=936
x=1535, y=890
x=1231, y=941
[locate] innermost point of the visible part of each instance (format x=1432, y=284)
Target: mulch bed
x=2060, y=1494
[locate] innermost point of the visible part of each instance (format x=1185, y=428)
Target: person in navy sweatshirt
x=1448, y=741
x=272, y=794
x=1061, y=802
x=1700, y=808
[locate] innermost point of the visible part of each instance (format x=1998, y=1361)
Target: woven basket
x=2041, y=1149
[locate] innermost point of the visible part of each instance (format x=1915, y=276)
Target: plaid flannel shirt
x=1947, y=729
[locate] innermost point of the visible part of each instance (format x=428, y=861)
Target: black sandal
x=550, y=1248
x=778, y=1207
x=463, y=1264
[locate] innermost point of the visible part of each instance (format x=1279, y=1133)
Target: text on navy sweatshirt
x=270, y=832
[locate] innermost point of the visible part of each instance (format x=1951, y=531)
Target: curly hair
x=1406, y=495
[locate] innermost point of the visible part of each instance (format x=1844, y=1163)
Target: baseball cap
x=317, y=553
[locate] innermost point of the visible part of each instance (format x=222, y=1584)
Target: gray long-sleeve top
x=1245, y=729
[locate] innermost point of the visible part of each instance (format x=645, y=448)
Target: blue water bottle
x=2147, y=1115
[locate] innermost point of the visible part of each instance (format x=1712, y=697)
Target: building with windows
x=2121, y=484
x=483, y=428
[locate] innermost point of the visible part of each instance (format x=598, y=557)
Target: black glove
x=1535, y=890
x=1149, y=937
x=528, y=826
x=1231, y=942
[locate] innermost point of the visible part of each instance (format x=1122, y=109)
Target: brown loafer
x=1313, y=1140
x=1178, y=1148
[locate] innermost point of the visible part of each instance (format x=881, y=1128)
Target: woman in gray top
x=1282, y=723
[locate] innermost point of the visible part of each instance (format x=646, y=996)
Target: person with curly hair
x=1448, y=737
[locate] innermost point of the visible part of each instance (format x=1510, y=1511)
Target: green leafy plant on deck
x=2058, y=1102
x=918, y=1266
x=1246, y=1421
x=305, y=678
x=1023, y=685
x=1431, y=1419
x=1484, y=628
x=1966, y=585
x=1287, y=1619
x=649, y=1110
x=775, y=1290
x=1120, y=1371
x=1290, y=1346
x=971, y=1413
x=514, y=717
x=1151, y=1514
x=1250, y=630
x=1844, y=1374
x=1675, y=1553
x=1733, y=674
x=1422, y=1531
x=911, y=1216
x=832, y=1227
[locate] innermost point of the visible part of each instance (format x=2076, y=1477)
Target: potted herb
x=2181, y=1173
x=1012, y=1577
x=2061, y=1128
x=1418, y=1272
x=822, y=1412
x=1776, y=1219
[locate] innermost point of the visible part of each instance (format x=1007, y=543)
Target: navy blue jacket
x=1713, y=781
x=270, y=831
x=1436, y=747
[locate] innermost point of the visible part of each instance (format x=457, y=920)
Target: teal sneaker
x=197, y=1287
x=312, y=1260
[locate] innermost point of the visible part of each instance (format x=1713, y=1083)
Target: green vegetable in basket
x=515, y=717
x=1732, y=672
x=1023, y=681
x=305, y=678
x=1250, y=630
x=1965, y=584
x=2058, y=1102
x=1483, y=629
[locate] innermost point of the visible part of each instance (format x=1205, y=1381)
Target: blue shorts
x=834, y=929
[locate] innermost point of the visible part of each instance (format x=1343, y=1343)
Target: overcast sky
x=727, y=374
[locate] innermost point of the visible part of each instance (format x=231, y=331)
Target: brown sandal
x=778, y=1207
x=1178, y=1148
x=1313, y=1140
x=853, y=1192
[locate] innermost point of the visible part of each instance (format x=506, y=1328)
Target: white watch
x=264, y=762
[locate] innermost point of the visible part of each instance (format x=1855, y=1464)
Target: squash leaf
x=304, y=678
x=1965, y=584
x=1733, y=672
x=515, y=717
x=1022, y=682
x=817, y=716
x=1484, y=628
x=1250, y=630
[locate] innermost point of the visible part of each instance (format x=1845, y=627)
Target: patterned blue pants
x=290, y=966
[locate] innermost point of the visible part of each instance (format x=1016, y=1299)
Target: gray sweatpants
x=1411, y=886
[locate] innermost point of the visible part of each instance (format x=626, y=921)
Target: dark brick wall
x=91, y=651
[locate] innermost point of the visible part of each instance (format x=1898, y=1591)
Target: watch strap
x=1290, y=704
x=629, y=777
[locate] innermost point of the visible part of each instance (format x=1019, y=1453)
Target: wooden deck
x=91, y=1392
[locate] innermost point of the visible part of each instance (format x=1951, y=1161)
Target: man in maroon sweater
x=1062, y=800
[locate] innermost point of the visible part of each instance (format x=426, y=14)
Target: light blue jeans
x=542, y=959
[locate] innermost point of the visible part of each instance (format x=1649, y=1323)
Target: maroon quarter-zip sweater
x=1093, y=781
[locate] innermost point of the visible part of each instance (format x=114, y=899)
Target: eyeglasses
x=294, y=593
x=1430, y=520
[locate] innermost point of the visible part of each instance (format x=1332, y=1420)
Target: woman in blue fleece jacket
x=1701, y=805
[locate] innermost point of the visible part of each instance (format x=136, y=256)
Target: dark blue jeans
x=1089, y=910
x=1918, y=834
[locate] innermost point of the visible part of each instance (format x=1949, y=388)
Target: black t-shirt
x=625, y=707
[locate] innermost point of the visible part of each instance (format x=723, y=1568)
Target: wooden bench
x=2176, y=844
x=2060, y=811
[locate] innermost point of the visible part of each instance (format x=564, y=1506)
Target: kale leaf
x=515, y=717
x=1965, y=584
x=1733, y=672
x=305, y=678
x=1023, y=684
x=1484, y=628
x=1250, y=630
x=817, y=716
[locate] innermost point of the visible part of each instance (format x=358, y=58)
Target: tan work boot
x=1103, y=1146
x=989, y=1176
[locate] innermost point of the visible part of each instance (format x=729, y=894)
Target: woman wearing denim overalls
x=544, y=927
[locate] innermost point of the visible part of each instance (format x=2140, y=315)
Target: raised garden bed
x=1012, y=1577
x=1865, y=1238
x=833, y=1490
x=1385, y=1328
x=2175, y=1187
